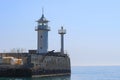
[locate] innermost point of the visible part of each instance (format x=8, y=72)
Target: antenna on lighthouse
x=42, y=10
x=62, y=32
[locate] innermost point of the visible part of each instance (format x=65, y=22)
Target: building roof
x=42, y=19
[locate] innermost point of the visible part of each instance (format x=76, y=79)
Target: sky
x=93, y=28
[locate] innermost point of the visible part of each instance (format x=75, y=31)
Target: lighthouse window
x=41, y=36
x=40, y=23
x=45, y=24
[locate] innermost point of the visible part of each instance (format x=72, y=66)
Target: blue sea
x=84, y=73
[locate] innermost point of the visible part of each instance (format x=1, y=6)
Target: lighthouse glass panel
x=39, y=23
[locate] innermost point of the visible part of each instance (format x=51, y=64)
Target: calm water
x=83, y=73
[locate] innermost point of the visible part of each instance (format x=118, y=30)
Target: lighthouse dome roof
x=42, y=19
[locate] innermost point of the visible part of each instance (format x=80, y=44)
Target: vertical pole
x=62, y=43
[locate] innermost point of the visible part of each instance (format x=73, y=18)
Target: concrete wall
x=50, y=62
x=43, y=61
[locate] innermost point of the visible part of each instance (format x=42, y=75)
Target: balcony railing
x=62, y=31
x=42, y=28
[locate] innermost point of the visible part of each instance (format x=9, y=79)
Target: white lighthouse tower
x=62, y=32
x=42, y=35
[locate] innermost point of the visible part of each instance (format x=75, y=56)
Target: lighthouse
x=62, y=32
x=42, y=34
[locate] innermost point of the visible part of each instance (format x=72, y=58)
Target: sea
x=83, y=73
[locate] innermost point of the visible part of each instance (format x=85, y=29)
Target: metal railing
x=62, y=31
x=42, y=28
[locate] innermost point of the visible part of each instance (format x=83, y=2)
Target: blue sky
x=93, y=28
